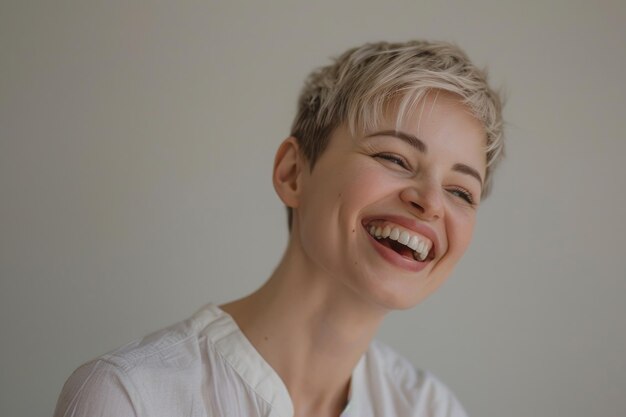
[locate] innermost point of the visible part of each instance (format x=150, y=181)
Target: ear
x=288, y=166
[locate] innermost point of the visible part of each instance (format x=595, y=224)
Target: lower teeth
x=416, y=255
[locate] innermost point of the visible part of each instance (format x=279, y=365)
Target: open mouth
x=405, y=242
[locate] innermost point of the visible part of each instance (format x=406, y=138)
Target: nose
x=425, y=200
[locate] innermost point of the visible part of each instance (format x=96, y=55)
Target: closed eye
x=463, y=194
x=395, y=159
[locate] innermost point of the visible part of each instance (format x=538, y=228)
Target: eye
x=463, y=194
x=395, y=159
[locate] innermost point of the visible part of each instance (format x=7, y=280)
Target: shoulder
x=176, y=346
x=415, y=389
x=97, y=387
x=121, y=381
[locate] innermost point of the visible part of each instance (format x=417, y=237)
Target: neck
x=311, y=329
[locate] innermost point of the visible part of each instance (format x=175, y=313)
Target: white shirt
x=206, y=367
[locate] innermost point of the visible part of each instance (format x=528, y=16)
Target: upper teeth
x=419, y=244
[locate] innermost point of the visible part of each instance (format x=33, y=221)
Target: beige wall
x=136, y=142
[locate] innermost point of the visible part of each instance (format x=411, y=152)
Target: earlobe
x=288, y=165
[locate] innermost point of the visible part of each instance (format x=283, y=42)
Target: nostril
x=424, y=199
x=417, y=206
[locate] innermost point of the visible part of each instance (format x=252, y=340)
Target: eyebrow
x=421, y=146
x=466, y=169
x=408, y=138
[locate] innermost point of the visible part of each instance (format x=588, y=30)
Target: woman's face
x=389, y=213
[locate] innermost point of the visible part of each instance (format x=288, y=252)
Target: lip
x=392, y=256
x=395, y=258
x=408, y=223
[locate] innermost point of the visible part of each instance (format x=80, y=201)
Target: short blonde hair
x=356, y=87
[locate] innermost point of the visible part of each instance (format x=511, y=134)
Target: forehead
x=439, y=118
x=435, y=107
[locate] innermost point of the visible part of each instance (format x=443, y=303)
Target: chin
x=405, y=292
x=399, y=297
x=403, y=302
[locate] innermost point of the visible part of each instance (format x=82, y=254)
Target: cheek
x=347, y=191
x=326, y=195
x=461, y=230
x=363, y=187
x=332, y=207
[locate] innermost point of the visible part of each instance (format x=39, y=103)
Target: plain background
x=137, y=140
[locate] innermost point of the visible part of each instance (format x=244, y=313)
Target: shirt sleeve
x=97, y=388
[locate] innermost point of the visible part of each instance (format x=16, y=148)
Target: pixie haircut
x=359, y=85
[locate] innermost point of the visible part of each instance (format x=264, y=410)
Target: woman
x=391, y=151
